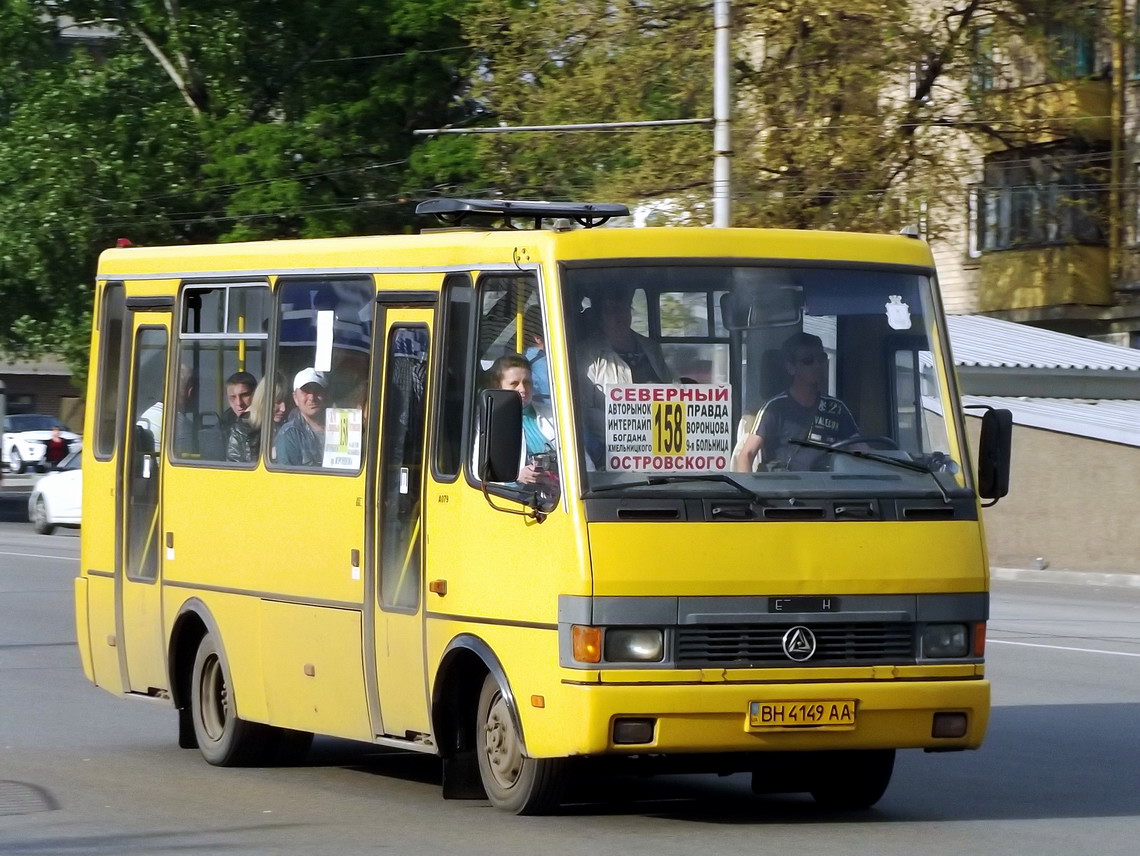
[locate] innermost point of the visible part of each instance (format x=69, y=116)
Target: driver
x=803, y=412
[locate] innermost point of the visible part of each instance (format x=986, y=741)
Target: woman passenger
x=258, y=407
x=539, y=455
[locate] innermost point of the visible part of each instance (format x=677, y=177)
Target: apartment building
x=1048, y=233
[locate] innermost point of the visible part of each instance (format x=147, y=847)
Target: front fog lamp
x=945, y=640
x=634, y=645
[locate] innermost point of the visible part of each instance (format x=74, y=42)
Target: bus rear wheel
x=224, y=738
x=513, y=782
x=853, y=780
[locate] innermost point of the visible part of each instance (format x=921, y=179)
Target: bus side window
x=510, y=320
x=455, y=376
x=110, y=368
x=223, y=334
x=323, y=354
x=503, y=300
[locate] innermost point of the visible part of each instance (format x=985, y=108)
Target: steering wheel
x=868, y=439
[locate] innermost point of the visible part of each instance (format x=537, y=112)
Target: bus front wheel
x=853, y=780
x=224, y=738
x=513, y=782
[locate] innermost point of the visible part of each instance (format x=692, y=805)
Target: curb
x=1072, y=578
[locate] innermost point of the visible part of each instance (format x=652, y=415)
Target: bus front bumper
x=737, y=717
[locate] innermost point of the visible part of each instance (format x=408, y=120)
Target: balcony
x=1044, y=276
x=1066, y=109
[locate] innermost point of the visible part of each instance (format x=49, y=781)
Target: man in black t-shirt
x=803, y=413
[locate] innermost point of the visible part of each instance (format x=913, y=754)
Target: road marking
x=39, y=556
x=1062, y=648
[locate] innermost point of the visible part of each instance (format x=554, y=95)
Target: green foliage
x=848, y=114
x=572, y=61
x=210, y=121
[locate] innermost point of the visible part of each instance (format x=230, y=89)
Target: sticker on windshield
x=898, y=313
x=661, y=428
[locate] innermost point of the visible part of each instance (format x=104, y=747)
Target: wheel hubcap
x=41, y=513
x=213, y=699
x=502, y=745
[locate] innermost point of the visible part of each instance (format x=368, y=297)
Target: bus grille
x=762, y=645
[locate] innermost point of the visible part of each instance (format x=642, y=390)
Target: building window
x=1040, y=198
x=1072, y=47
x=983, y=64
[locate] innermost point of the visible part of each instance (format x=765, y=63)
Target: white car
x=57, y=498
x=25, y=440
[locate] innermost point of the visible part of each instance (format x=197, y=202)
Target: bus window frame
x=472, y=410
x=105, y=360
x=381, y=444
x=280, y=283
x=461, y=279
x=178, y=336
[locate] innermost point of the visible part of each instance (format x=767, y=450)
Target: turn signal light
x=587, y=642
x=980, y=639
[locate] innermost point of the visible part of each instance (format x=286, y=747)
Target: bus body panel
x=83, y=627
x=489, y=575
x=100, y=610
x=313, y=669
x=272, y=534
x=786, y=558
x=464, y=250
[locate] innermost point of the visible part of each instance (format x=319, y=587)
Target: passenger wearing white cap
x=301, y=440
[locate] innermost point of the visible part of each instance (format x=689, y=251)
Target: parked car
x=57, y=498
x=25, y=440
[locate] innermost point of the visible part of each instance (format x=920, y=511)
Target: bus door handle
x=438, y=586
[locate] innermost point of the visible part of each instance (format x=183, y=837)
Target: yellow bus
x=689, y=498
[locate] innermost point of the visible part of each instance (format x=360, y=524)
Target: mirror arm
x=533, y=512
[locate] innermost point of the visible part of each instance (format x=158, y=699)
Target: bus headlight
x=945, y=640
x=634, y=645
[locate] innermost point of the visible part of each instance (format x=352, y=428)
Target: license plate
x=783, y=715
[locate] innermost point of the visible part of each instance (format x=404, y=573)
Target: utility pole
x=722, y=116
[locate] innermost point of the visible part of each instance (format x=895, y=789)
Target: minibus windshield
x=824, y=380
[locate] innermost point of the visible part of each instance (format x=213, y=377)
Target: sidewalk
x=1072, y=578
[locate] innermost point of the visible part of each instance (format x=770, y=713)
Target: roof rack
x=453, y=212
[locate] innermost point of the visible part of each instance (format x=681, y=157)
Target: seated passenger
x=301, y=440
x=245, y=445
x=238, y=435
x=616, y=354
x=803, y=412
x=538, y=462
x=235, y=421
x=536, y=353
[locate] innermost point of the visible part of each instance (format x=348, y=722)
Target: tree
x=215, y=121
x=858, y=114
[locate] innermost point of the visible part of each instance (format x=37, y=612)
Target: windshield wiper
x=653, y=480
x=882, y=459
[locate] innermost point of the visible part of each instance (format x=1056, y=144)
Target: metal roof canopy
x=1110, y=421
x=1001, y=358
x=588, y=214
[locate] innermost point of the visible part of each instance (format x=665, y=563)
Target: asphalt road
x=82, y=772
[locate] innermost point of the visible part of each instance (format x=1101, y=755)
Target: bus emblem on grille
x=799, y=643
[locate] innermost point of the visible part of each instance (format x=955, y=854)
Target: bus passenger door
x=137, y=572
x=397, y=592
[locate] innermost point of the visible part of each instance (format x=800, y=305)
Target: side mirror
x=994, y=450
x=500, y=427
